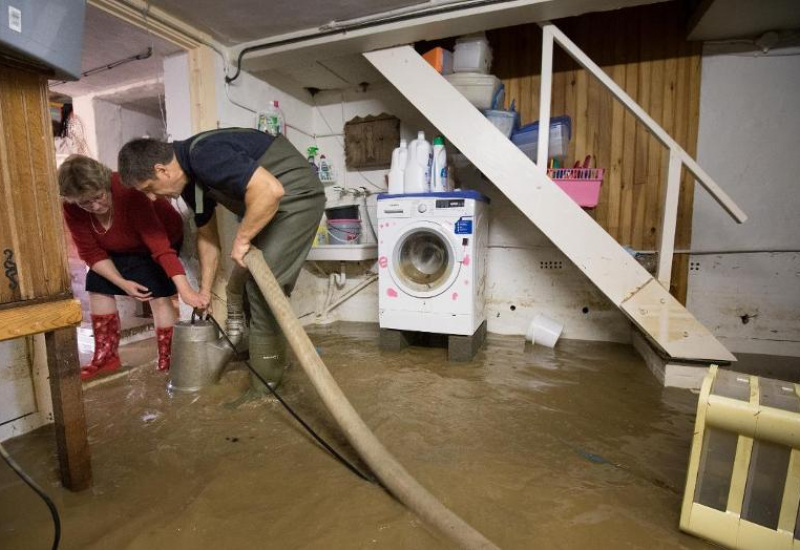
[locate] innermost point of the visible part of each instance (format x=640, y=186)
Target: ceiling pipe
x=370, y=23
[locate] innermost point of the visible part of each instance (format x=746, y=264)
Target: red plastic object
x=581, y=184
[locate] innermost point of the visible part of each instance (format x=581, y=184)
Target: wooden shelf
x=33, y=319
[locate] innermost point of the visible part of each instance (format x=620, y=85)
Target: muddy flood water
x=577, y=447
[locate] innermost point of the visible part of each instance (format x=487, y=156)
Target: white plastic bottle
x=417, y=174
x=398, y=169
x=439, y=166
x=271, y=120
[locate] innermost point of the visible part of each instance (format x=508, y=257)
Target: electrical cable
x=308, y=428
x=32, y=484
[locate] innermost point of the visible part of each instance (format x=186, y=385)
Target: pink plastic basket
x=581, y=184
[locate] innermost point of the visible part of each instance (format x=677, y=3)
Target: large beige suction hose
x=391, y=473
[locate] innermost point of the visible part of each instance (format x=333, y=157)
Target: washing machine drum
x=424, y=262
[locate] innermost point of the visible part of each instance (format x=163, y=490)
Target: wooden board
x=34, y=319
x=643, y=50
x=74, y=456
x=369, y=141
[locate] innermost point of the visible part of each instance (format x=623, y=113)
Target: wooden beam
x=34, y=319
x=70, y=421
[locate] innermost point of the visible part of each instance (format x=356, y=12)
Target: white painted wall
x=115, y=125
x=748, y=139
x=236, y=107
x=25, y=402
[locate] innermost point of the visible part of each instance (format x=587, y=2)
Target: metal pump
x=199, y=352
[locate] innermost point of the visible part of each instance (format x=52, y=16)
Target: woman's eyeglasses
x=88, y=203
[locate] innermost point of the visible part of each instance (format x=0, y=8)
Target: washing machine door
x=426, y=259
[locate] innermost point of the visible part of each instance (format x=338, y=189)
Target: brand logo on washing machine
x=463, y=226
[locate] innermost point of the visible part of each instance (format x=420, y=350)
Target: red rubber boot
x=164, y=339
x=106, y=346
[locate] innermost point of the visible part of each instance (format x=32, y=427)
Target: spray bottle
x=398, y=168
x=271, y=120
x=439, y=166
x=311, y=156
x=416, y=178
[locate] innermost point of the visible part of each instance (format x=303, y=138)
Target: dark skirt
x=141, y=268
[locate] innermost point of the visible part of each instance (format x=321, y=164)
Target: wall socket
x=694, y=266
x=551, y=264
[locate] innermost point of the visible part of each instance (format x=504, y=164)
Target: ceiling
x=736, y=19
x=107, y=40
x=247, y=20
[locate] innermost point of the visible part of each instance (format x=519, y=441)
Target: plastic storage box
x=505, y=121
x=581, y=184
x=478, y=88
x=527, y=138
x=472, y=54
x=440, y=59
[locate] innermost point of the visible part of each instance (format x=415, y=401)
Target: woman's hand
x=135, y=290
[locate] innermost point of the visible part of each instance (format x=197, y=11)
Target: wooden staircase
x=662, y=320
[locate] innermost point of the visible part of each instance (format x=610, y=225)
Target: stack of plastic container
x=472, y=60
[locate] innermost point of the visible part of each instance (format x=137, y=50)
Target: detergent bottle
x=439, y=166
x=398, y=168
x=417, y=174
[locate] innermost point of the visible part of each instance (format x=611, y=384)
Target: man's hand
x=135, y=290
x=240, y=247
x=195, y=299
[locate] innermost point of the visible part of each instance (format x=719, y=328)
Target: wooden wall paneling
x=643, y=137
x=630, y=133
x=656, y=151
x=613, y=178
x=602, y=136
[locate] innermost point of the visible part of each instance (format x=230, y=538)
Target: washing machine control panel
x=422, y=208
x=450, y=203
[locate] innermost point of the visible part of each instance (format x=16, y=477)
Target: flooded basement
x=577, y=447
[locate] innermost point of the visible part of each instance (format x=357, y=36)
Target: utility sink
x=343, y=252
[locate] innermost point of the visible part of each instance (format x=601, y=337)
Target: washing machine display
x=432, y=250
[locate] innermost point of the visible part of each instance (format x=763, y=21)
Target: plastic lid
x=438, y=140
x=421, y=135
x=275, y=102
x=403, y=143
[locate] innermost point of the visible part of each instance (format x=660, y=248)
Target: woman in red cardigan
x=129, y=243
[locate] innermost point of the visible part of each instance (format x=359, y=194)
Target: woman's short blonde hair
x=80, y=177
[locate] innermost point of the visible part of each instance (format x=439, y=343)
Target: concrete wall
x=749, y=134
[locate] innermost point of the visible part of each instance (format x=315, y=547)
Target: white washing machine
x=432, y=261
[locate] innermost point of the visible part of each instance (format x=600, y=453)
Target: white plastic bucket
x=344, y=231
x=544, y=330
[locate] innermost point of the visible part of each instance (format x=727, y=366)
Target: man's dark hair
x=137, y=159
